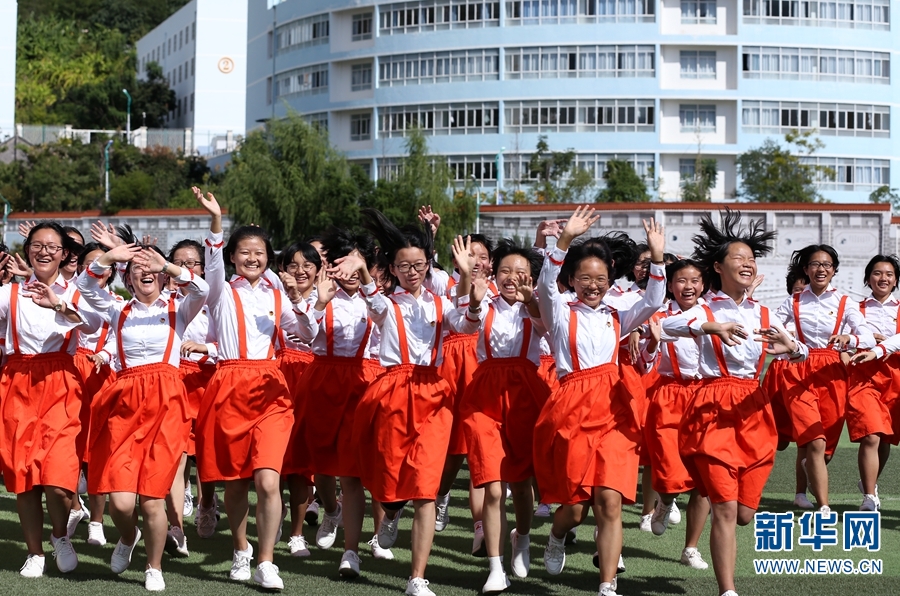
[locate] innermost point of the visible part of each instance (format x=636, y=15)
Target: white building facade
x=653, y=82
x=8, y=22
x=202, y=51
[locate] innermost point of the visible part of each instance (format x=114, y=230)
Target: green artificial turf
x=652, y=562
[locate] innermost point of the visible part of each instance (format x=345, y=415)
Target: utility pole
x=128, y=122
x=106, y=160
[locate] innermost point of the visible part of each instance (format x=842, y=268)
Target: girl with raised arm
x=587, y=435
x=141, y=423
x=403, y=421
x=246, y=415
x=727, y=436
x=41, y=395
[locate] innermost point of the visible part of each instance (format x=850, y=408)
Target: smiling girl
x=246, y=416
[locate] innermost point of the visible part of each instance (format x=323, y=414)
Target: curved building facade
x=655, y=82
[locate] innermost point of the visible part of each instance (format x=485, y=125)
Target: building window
x=444, y=119
x=192, y=66
x=179, y=108
x=687, y=168
x=192, y=102
x=179, y=72
x=319, y=120
x=194, y=30
x=434, y=15
x=360, y=127
x=698, y=12
x=463, y=168
x=600, y=115
x=816, y=64
x=362, y=26
x=270, y=43
x=361, y=77
x=309, y=80
x=439, y=67
x=310, y=31
x=269, y=91
x=698, y=65
x=541, y=12
x=180, y=39
x=857, y=14
x=516, y=166
x=580, y=62
x=845, y=120
x=851, y=173
x=697, y=118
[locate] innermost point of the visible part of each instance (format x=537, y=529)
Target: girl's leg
x=494, y=497
x=299, y=491
x=31, y=517
x=523, y=504
x=567, y=517
x=268, y=511
x=723, y=543
x=98, y=504
x=452, y=466
x=175, y=498
x=816, y=471
x=869, y=461
x=608, y=513
x=124, y=515
x=422, y=536
x=649, y=495
x=237, y=508
x=153, y=512
x=802, y=482
x=59, y=502
x=353, y=506
x=697, y=512
x=326, y=488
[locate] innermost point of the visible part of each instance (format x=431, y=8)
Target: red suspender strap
x=488, y=326
x=573, y=339
x=840, y=316
x=526, y=338
x=764, y=324
x=65, y=345
x=897, y=320
x=101, y=341
x=329, y=330
x=862, y=307
x=364, y=344
x=717, y=344
x=171, y=341
x=122, y=316
x=13, y=316
x=797, y=325
x=277, y=331
x=241, y=325
x=617, y=328
x=673, y=359
x=438, y=323
x=401, y=334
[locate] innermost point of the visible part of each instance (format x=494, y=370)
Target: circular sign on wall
x=226, y=65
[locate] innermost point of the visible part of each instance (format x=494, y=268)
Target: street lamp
x=128, y=122
x=106, y=160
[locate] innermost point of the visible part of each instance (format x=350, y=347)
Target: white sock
x=478, y=526
x=523, y=539
x=495, y=564
x=800, y=495
x=557, y=541
x=443, y=499
x=604, y=585
x=247, y=552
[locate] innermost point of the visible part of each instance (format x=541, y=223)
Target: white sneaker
x=33, y=567
x=442, y=519
x=554, y=556
x=299, y=547
x=388, y=530
x=176, y=543
x=659, y=519
x=521, y=554
x=801, y=501
x=327, y=532
x=860, y=487
x=153, y=580
x=349, y=565
x=543, y=510
x=240, y=564
x=870, y=503
x=188, y=502
x=206, y=520
x=496, y=582
x=378, y=552
x=82, y=483
x=825, y=510
x=732, y=592
x=478, y=547
x=96, y=536
x=691, y=558
x=607, y=589
x=121, y=557
x=620, y=566
x=645, y=523
x=416, y=586
x=76, y=516
x=64, y=553
x=312, y=514
x=674, y=515
x=267, y=576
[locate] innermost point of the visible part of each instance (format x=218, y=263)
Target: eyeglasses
x=586, y=281
x=188, y=264
x=51, y=249
x=419, y=267
x=294, y=267
x=643, y=263
x=817, y=264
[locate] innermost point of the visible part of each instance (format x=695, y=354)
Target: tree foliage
x=774, y=173
x=554, y=177
x=886, y=195
x=698, y=188
x=623, y=184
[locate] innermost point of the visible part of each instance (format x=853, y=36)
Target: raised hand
x=656, y=239
x=546, y=229
x=756, y=283
x=524, y=289
x=120, y=254
x=345, y=267
x=105, y=235
x=478, y=290
x=41, y=294
x=150, y=260
x=25, y=228
x=427, y=216
x=326, y=288
x=578, y=223
x=208, y=202
x=18, y=266
x=290, y=287
x=463, y=256
x=149, y=240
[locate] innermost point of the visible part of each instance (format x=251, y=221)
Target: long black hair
x=91, y=247
x=507, y=247
x=712, y=244
x=794, y=274
x=69, y=245
x=673, y=268
x=338, y=243
x=392, y=239
x=891, y=259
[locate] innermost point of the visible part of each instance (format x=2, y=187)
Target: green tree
x=776, y=174
x=698, y=188
x=623, y=184
x=886, y=195
x=547, y=171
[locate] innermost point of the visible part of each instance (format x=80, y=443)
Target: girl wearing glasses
x=815, y=392
x=403, y=421
x=587, y=435
x=41, y=395
x=246, y=415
